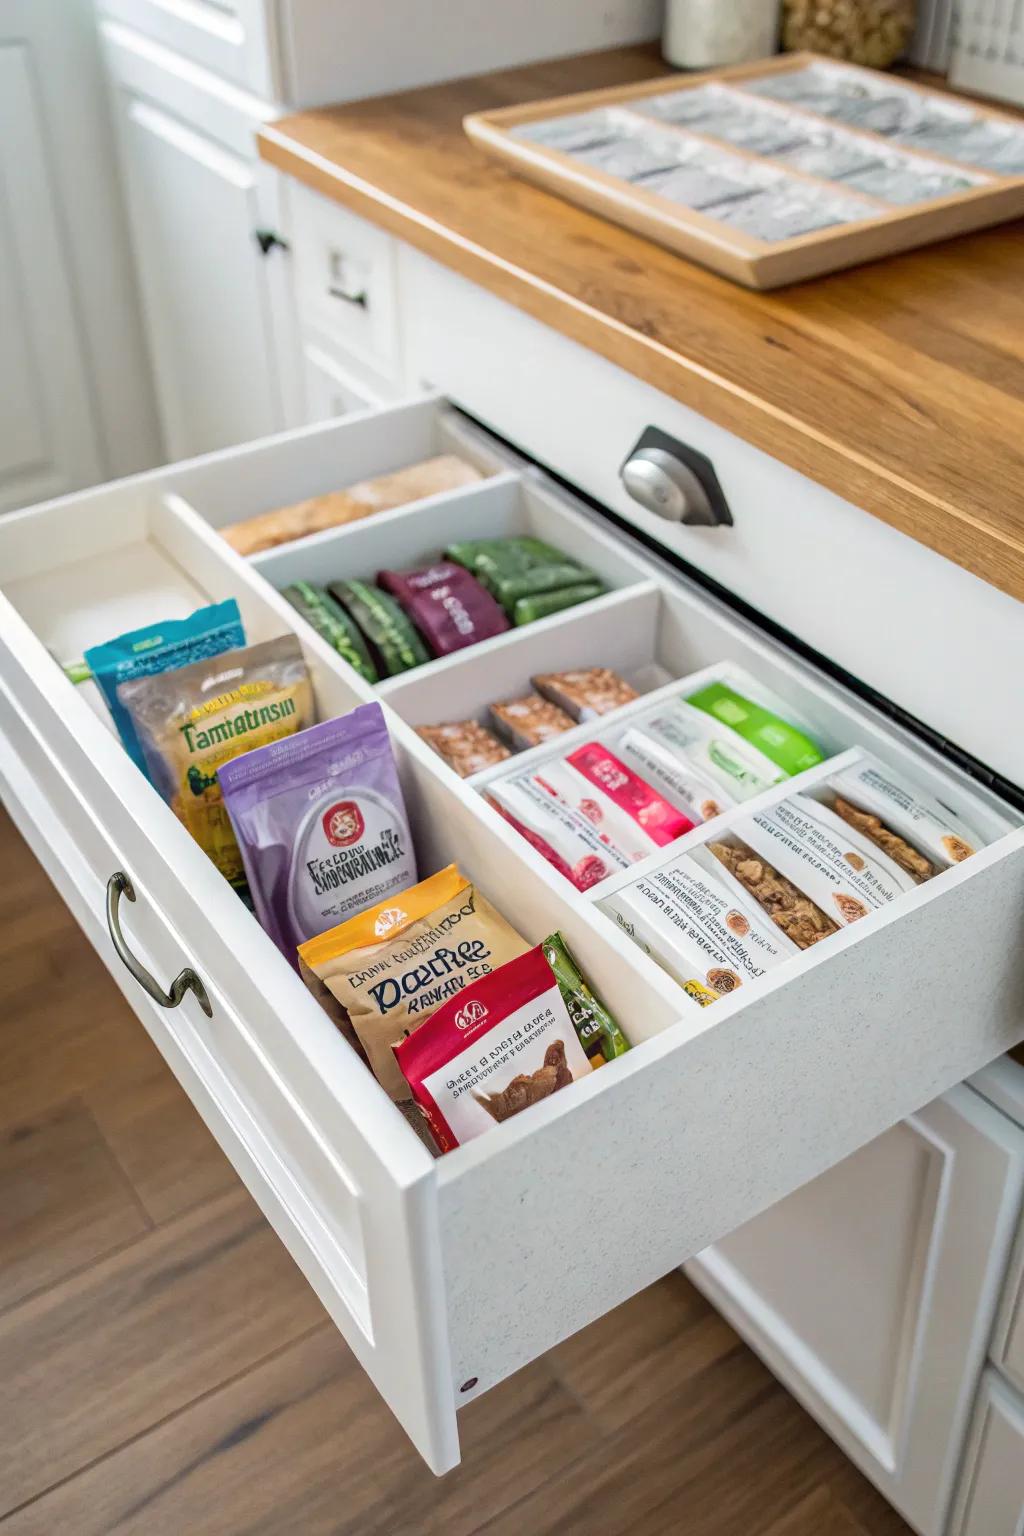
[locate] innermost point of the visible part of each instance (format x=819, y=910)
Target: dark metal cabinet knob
x=674, y=481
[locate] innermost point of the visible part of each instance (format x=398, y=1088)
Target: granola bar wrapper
x=887, y=801
x=700, y=742
x=391, y=966
x=321, y=825
x=505, y=1044
x=694, y=927
x=844, y=874
x=192, y=721
x=680, y=781
x=564, y=836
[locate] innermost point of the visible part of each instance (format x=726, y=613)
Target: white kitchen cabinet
x=445, y=1276
x=991, y=1499
x=231, y=38
x=871, y=1292
x=217, y=305
x=331, y=390
x=48, y=437
x=75, y=405
x=311, y=52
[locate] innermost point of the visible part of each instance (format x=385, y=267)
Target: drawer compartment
x=446, y=1275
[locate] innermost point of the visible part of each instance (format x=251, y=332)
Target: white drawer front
x=991, y=1501
x=871, y=1291
x=231, y=38
x=344, y=274
x=917, y=628
x=447, y=1275
x=1008, y=1340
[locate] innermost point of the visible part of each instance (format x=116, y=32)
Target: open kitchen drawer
x=446, y=1275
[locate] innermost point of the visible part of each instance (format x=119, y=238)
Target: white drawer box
x=991, y=1501
x=344, y=275
x=446, y=1275
x=927, y=635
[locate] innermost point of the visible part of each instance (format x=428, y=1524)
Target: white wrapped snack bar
x=682, y=783
x=907, y=810
x=841, y=871
x=688, y=922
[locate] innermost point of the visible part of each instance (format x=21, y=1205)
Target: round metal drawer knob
x=668, y=487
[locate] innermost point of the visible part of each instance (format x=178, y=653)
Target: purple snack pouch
x=449, y=607
x=321, y=823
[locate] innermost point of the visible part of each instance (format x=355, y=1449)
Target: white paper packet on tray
x=841, y=871
x=692, y=925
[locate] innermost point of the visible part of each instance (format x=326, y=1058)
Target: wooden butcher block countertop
x=899, y=385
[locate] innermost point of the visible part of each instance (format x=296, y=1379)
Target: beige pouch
x=193, y=720
x=392, y=965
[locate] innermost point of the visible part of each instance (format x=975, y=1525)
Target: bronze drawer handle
x=186, y=981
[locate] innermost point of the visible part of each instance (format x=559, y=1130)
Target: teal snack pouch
x=160, y=648
x=786, y=746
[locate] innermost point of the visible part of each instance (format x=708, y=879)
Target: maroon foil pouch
x=447, y=604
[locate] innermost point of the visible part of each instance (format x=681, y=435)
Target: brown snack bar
x=800, y=920
x=465, y=746
x=529, y=720
x=444, y=473
x=916, y=865
x=585, y=692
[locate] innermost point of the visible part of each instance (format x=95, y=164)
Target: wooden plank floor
x=165, y=1370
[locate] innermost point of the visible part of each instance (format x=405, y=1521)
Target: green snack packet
x=515, y=568
x=598, y=1033
x=787, y=747
x=540, y=604
x=394, y=644
x=333, y=624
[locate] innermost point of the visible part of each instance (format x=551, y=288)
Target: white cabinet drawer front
x=344, y=274
x=991, y=1501
x=871, y=1292
x=231, y=38
x=1008, y=1340
x=912, y=625
x=460, y=1270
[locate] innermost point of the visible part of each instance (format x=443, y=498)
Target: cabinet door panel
x=991, y=1497
x=48, y=440
x=194, y=209
x=871, y=1291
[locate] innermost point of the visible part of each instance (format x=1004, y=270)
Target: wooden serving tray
x=805, y=110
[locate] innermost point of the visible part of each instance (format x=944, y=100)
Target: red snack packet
x=662, y=822
x=449, y=607
x=504, y=1043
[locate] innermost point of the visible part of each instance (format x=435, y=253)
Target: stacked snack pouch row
x=645, y=781
x=479, y=588
x=784, y=878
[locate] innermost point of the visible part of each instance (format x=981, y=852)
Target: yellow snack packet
x=392, y=965
x=193, y=720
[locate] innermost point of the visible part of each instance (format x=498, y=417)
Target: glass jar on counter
x=873, y=32
x=701, y=34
